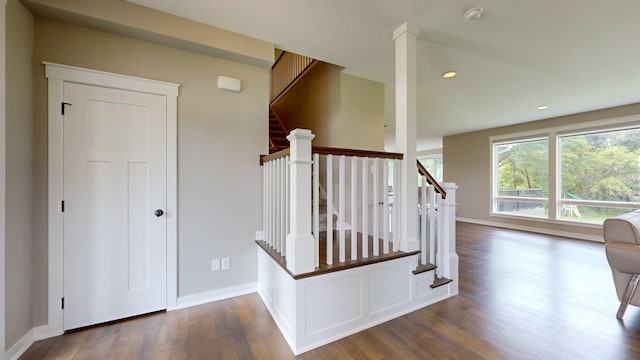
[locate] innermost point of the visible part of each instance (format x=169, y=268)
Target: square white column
x=405, y=37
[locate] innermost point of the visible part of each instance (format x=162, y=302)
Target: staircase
x=287, y=70
x=277, y=134
x=320, y=285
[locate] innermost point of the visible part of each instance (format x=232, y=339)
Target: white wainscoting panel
x=285, y=299
x=390, y=286
x=314, y=311
x=326, y=304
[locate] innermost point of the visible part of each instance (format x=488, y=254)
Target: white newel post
x=405, y=37
x=450, y=257
x=300, y=248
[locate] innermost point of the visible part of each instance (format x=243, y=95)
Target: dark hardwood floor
x=522, y=296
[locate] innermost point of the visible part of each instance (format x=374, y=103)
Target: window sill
x=579, y=224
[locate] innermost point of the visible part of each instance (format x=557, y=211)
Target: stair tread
x=439, y=281
x=424, y=268
x=277, y=134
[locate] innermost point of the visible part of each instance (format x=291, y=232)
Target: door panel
x=114, y=179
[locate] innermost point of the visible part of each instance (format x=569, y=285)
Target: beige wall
x=314, y=103
x=123, y=17
x=19, y=172
x=361, y=113
x=342, y=110
x=220, y=137
x=467, y=162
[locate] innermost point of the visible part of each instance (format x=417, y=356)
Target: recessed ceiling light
x=543, y=107
x=449, y=74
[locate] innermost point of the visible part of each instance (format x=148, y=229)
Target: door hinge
x=62, y=205
x=62, y=303
x=63, y=104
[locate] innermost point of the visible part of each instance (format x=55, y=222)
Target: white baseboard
x=20, y=346
x=539, y=230
x=41, y=332
x=33, y=335
x=215, y=295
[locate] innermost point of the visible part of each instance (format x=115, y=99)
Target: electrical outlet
x=226, y=263
x=215, y=265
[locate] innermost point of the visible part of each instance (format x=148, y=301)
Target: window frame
x=554, y=197
x=432, y=154
x=495, y=197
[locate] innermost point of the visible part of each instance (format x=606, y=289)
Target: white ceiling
x=572, y=55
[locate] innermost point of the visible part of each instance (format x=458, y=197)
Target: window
x=599, y=174
x=433, y=164
x=591, y=174
x=521, y=178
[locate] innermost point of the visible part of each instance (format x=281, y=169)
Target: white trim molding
x=216, y=295
x=22, y=345
x=57, y=75
x=532, y=229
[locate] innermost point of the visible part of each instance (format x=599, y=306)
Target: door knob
x=158, y=212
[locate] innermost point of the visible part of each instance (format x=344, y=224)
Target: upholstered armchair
x=622, y=241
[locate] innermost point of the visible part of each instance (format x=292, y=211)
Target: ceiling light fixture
x=543, y=107
x=449, y=74
x=473, y=14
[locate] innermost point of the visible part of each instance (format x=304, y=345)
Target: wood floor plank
x=522, y=296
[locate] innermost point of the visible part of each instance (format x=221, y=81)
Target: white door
x=114, y=192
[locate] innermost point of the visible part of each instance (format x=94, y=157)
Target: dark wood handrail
x=323, y=150
x=278, y=60
x=422, y=171
x=276, y=155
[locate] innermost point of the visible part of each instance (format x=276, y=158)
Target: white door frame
x=57, y=75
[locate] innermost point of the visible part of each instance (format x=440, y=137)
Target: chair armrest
x=624, y=257
x=624, y=228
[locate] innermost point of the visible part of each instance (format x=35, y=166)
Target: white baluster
x=385, y=208
x=265, y=203
x=287, y=205
x=271, y=236
x=431, y=195
x=365, y=208
x=439, y=235
x=354, y=208
x=341, y=209
x=423, y=220
x=274, y=204
x=376, y=207
x=329, y=209
x=316, y=206
x=397, y=205
x=279, y=208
